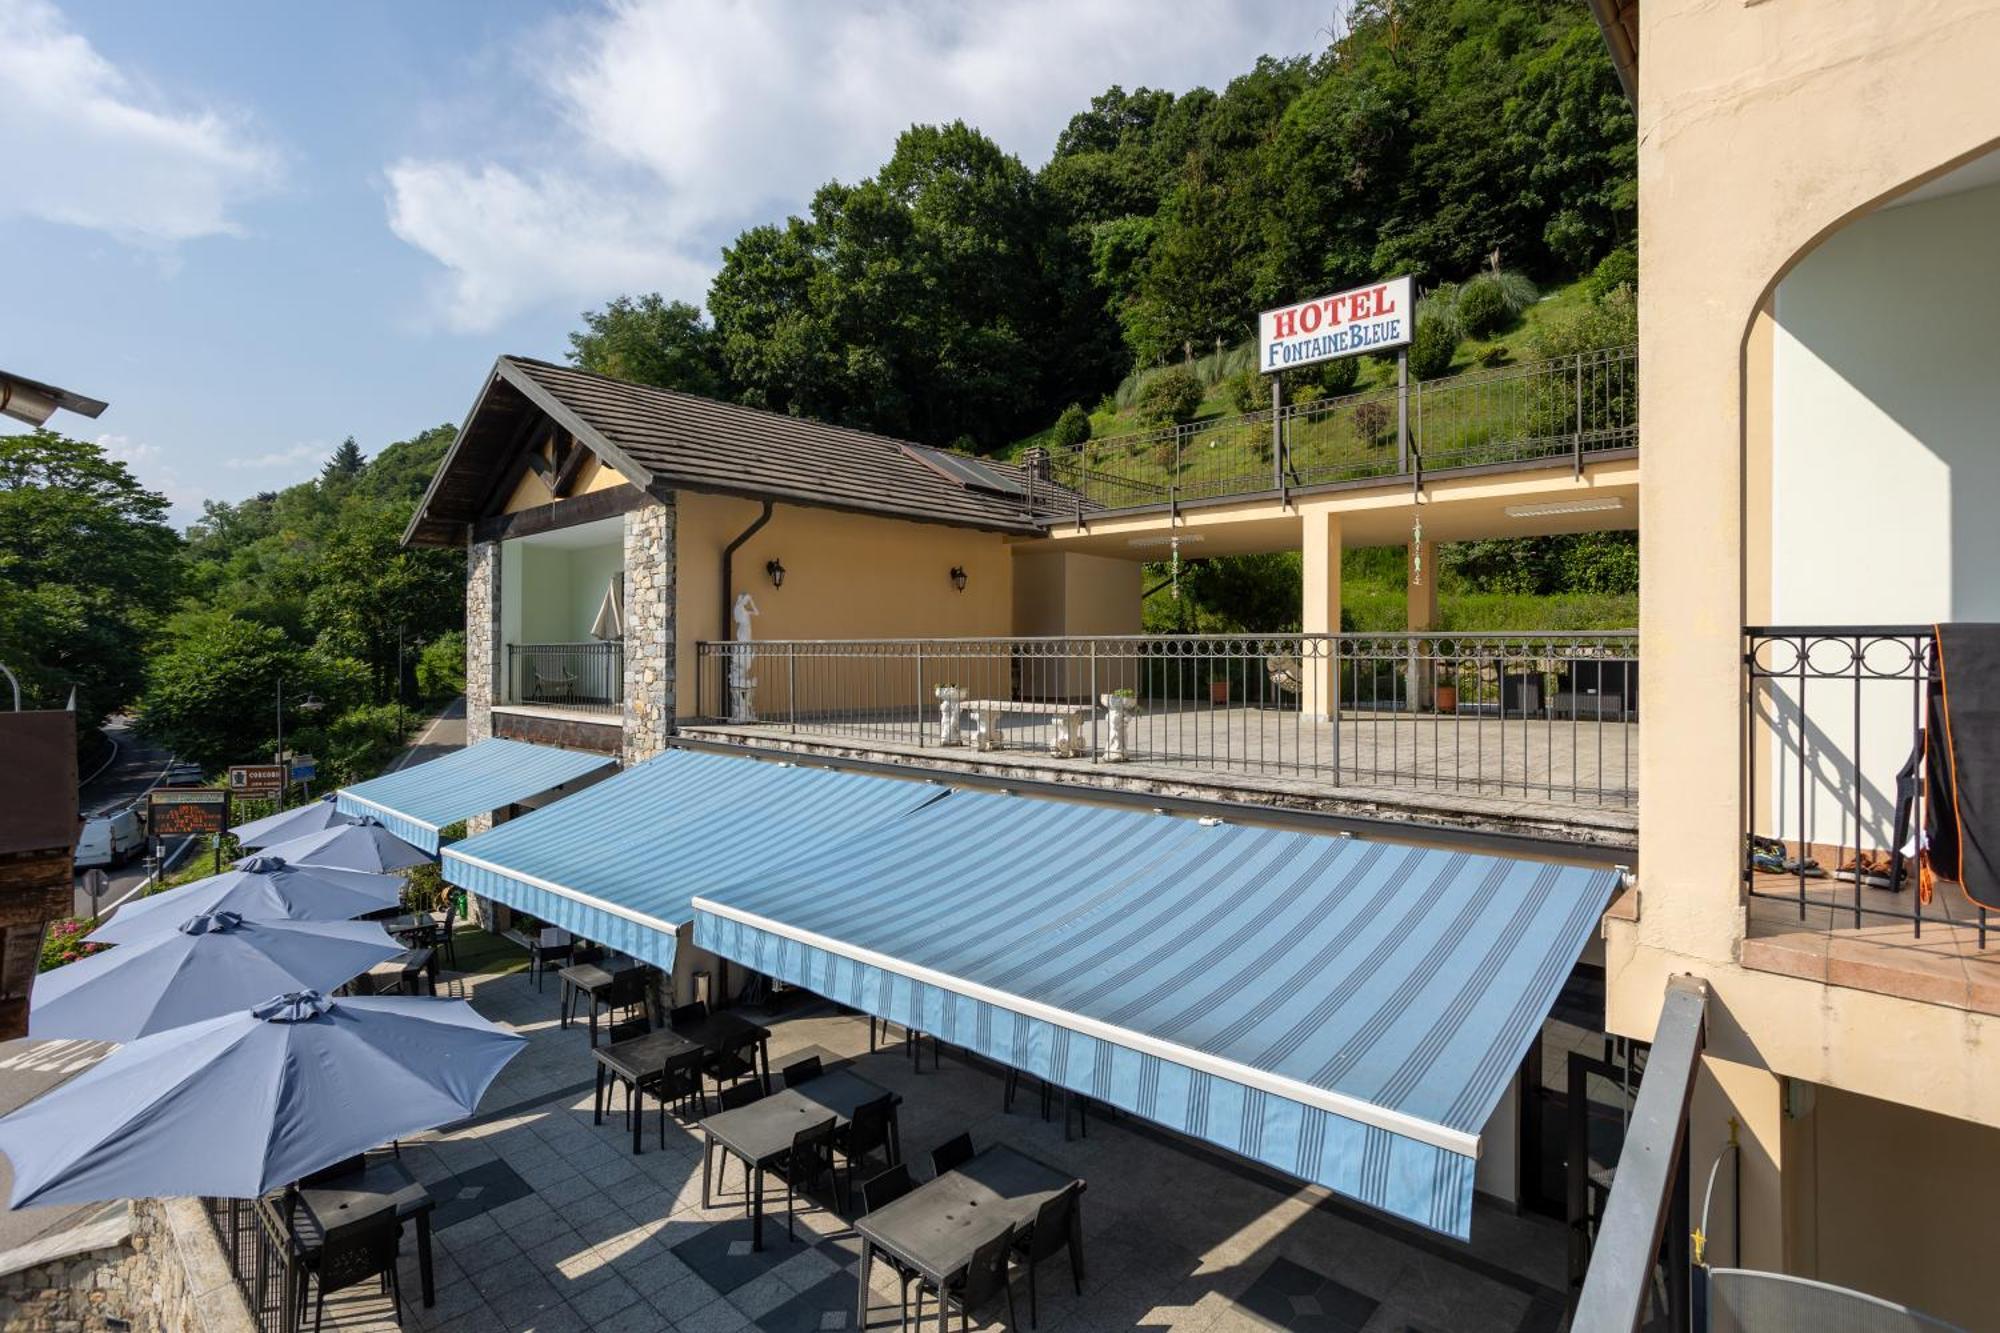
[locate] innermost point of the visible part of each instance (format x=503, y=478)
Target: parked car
x=110, y=840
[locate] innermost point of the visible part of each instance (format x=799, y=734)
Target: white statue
x=742, y=685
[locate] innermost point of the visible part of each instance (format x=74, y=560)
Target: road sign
x=304, y=768
x=95, y=883
x=257, y=780
x=180, y=811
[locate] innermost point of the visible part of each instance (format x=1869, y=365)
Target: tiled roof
x=669, y=441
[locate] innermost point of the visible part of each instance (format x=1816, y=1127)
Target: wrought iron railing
x=589, y=677
x=1545, y=718
x=1831, y=717
x=1570, y=408
x=261, y=1258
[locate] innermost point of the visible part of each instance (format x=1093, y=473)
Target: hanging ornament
x=1175, y=559
x=1416, y=549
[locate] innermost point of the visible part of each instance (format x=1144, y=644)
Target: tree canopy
x=959, y=297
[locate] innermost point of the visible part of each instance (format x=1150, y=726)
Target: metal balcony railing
x=1547, y=718
x=1831, y=716
x=587, y=677
x=1572, y=409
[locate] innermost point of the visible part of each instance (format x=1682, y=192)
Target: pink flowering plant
x=65, y=943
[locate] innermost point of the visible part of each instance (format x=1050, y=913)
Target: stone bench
x=1067, y=719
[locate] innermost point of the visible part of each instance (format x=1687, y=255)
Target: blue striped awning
x=619, y=862
x=1347, y=1011
x=415, y=802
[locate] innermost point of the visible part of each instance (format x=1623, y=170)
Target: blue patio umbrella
x=246, y=1103
x=206, y=966
x=260, y=888
x=362, y=844
x=312, y=817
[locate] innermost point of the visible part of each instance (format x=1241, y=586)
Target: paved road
x=137, y=765
x=443, y=734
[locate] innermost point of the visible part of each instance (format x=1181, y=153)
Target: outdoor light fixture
x=958, y=577
x=1564, y=507
x=1180, y=539
x=776, y=569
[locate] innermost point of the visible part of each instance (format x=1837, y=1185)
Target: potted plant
x=1218, y=690
x=1447, y=696
x=951, y=702
x=1120, y=707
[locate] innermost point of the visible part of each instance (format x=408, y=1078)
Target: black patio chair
x=349, y=1256
x=810, y=1157
x=735, y=1062
x=1056, y=1227
x=680, y=1083
x=447, y=946
x=802, y=1071
x=551, y=948
x=951, y=1154
x=983, y=1279
x=877, y=1192
x=871, y=1129
x=739, y=1094
x=687, y=1013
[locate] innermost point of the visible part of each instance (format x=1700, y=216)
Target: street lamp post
x=309, y=705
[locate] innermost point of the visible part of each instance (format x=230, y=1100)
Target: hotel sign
x=1374, y=318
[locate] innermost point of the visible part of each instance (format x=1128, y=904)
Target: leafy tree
x=88, y=566
x=441, y=667
x=212, y=691
x=346, y=463
x=1618, y=269
x=650, y=340
x=1072, y=427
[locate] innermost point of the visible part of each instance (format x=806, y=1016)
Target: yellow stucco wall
x=1763, y=127
x=847, y=576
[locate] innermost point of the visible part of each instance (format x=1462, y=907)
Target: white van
x=110, y=840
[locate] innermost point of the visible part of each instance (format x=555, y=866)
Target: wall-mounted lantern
x=776, y=569
x=958, y=577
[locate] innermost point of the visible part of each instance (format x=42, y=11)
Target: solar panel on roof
x=967, y=472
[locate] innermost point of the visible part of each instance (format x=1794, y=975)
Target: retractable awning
x=1347, y=1011
x=619, y=862
x=416, y=802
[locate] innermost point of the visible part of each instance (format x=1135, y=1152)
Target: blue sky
x=255, y=229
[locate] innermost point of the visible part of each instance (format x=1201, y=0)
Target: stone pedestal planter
x=951, y=705
x=1119, y=710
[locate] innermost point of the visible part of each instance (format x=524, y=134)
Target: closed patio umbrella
x=204, y=966
x=360, y=845
x=313, y=817
x=260, y=888
x=235, y=1106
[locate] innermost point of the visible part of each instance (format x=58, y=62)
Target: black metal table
x=382, y=1186
x=629, y=1062
x=723, y=1029
x=592, y=980
x=935, y=1228
x=761, y=1133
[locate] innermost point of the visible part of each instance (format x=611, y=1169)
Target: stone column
x=649, y=630
x=485, y=656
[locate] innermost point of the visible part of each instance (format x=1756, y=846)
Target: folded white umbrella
x=249, y=1102
x=360, y=845
x=260, y=888
x=312, y=817
x=206, y=966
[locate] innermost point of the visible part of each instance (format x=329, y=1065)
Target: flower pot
x=1218, y=691
x=1447, y=698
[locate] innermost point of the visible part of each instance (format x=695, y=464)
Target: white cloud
x=678, y=123
x=89, y=146
x=149, y=464
x=297, y=453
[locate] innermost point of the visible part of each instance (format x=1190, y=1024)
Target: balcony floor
x=1575, y=778
x=1945, y=965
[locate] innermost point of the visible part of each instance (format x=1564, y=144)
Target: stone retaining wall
x=153, y=1266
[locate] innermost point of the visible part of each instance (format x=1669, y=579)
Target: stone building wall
x=649, y=630
x=483, y=650
x=156, y=1266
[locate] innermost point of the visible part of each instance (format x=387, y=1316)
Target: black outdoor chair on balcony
x=349, y=1256
x=680, y=1085
x=1055, y=1228
x=983, y=1279
x=551, y=948
x=802, y=1071
x=810, y=1158
x=951, y=1154
x=870, y=1130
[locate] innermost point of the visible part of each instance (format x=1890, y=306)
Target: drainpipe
x=728, y=567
